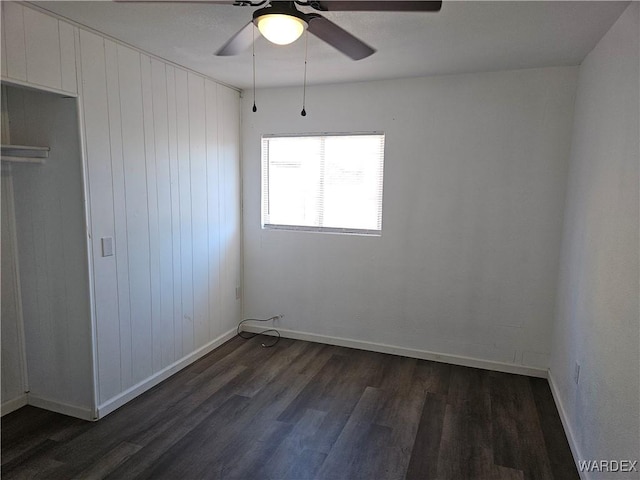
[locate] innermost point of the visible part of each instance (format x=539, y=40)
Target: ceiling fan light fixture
x=280, y=28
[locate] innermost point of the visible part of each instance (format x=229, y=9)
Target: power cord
x=248, y=335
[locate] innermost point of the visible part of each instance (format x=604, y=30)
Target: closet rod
x=24, y=154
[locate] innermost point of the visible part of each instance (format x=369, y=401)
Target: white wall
x=598, y=313
x=12, y=334
x=50, y=226
x=162, y=148
x=475, y=172
x=12, y=377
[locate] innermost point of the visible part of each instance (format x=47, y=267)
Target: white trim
x=566, y=424
x=410, y=352
x=13, y=404
x=37, y=87
x=330, y=230
x=129, y=394
x=63, y=408
x=86, y=197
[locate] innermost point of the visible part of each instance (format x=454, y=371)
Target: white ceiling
x=465, y=36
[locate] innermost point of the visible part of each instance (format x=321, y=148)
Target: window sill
x=333, y=231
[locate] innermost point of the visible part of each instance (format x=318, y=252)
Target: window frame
x=264, y=188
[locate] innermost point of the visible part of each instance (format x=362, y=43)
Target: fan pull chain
x=253, y=51
x=304, y=83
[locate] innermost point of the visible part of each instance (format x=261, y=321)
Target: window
x=326, y=183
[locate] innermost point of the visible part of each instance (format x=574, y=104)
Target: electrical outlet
x=576, y=373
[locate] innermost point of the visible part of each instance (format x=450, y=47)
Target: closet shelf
x=24, y=154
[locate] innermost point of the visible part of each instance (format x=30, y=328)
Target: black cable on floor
x=248, y=335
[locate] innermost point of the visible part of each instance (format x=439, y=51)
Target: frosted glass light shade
x=281, y=29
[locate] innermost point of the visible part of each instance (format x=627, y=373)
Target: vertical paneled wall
x=37, y=49
x=163, y=182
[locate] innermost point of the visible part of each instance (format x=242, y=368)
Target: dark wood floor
x=304, y=410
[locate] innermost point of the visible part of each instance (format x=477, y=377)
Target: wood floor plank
x=315, y=390
x=505, y=473
x=437, y=376
x=278, y=358
x=262, y=410
x=187, y=457
x=466, y=443
x=30, y=426
x=402, y=411
x=261, y=415
x=144, y=413
x=227, y=350
x=423, y=462
x=304, y=466
x=257, y=452
x=557, y=446
x=180, y=421
x=108, y=462
x=37, y=468
x=356, y=453
x=35, y=454
x=319, y=353
x=181, y=425
x=299, y=411
x=535, y=459
x=505, y=413
x=405, y=392
x=330, y=428
x=292, y=449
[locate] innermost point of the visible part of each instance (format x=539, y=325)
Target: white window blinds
x=323, y=182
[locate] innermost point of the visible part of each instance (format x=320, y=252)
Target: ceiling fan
x=282, y=23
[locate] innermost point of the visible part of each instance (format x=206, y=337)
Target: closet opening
x=46, y=314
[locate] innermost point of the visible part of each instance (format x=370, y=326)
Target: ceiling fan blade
x=220, y=2
x=240, y=42
x=338, y=38
x=380, y=6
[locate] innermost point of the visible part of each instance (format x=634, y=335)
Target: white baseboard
x=566, y=424
x=409, y=352
x=63, y=408
x=13, y=404
x=129, y=394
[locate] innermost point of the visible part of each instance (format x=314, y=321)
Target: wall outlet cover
x=107, y=246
